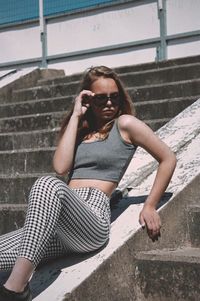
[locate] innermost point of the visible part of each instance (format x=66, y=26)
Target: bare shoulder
x=133, y=128
x=138, y=133
x=125, y=122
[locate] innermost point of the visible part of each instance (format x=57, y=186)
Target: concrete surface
x=168, y=275
x=74, y=278
x=108, y=274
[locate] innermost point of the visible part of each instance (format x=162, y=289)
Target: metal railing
x=161, y=42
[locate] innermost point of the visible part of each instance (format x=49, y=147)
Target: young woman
x=97, y=141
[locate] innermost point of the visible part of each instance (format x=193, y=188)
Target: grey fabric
x=103, y=159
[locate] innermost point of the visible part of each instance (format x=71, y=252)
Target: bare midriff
x=105, y=186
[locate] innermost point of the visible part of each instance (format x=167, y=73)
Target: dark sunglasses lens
x=102, y=99
x=114, y=98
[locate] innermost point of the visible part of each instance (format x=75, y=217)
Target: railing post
x=43, y=34
x=162, y=49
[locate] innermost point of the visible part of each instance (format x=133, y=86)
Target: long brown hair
x=87, y=122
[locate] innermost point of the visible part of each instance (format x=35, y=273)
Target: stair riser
x=155, y=76
x=11, y=219
x=158, y=65
x=29, y=140
x=27, y=80
x=149, y=111
x=15, y=190
x=166, y=91
x=50, y=105
x=139, y=94
x=193, y=227
x=167, y=281
x=40, y=123
x=155, y=125
x=29, y=162
x=128, y=69
x=144, y=111
x=49, y=121
x=39, y=140
x=64, y=79
x=161, y=76
x=45, y=92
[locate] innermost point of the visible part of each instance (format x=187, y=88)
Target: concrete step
x=40, y=130
x=31, y=122
x=193, y=225
x=14, y=192
x=159, y=76
x=26, y=161
x=145, y=77
x=11, y=217
x=151, y=67
x=38, y=92
x=53, y=104
x=157, y=65
x=168, y=275
x=64, y=103
x=76, y=77
x=164, y=108
x=45, y=121
x=25, y=79
x=157, y=123
x=46, y=138
x=138, y=92
x=34, y=139
x=14, y=189
x=62, y=79
x=38, y=139
x=167, y=90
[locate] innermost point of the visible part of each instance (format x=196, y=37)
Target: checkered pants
x=59, y=220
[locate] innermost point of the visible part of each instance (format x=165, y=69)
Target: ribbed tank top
x=103, y=159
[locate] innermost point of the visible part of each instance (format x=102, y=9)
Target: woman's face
x=105, y=103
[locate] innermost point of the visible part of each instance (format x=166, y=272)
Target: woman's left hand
x=150, y=219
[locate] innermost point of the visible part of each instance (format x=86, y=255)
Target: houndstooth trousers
x=59, y=220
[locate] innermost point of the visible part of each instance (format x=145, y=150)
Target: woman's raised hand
x=81, y=102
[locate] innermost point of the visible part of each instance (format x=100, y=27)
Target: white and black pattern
x=59, y=220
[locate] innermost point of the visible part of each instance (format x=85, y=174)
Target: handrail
x=160, y=43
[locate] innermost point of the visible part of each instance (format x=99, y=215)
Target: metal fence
x=40, y=12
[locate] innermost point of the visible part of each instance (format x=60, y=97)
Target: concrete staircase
x=30, y=115
x=131, y=267
x=172, y=274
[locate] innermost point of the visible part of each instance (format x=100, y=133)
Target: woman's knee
x=45, y=185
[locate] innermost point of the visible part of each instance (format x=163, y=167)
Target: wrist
x=75, y=117
x=149, y=205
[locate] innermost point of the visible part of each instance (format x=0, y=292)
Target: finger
x=154, y=233
x=86, y=93
x=142, y=221
x=152, y=229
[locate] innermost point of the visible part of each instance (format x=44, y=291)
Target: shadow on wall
x=46, y=274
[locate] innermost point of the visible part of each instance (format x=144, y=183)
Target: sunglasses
x=100, y=100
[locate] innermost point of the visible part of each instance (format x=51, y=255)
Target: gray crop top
x=103, y=159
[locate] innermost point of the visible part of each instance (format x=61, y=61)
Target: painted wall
x=103, y=27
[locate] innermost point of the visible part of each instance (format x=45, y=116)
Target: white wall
x=183, y=16
x=19, y=44
x=119, y=24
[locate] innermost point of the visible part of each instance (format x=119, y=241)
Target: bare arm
x=64, y=154
x=142, y=135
